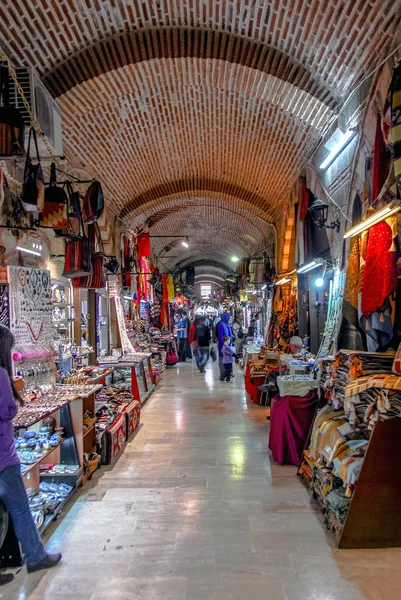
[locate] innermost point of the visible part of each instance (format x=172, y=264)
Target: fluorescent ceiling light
x=185, y=244
x=235, y=259
x=264, y=286
x=283, y=281
x=317, y=262
x=249, y=291
x=344, y=139
x=380, y=215
x=127, y=297
x=28, y=251
x=30, y=245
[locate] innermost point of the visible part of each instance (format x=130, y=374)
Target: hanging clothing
x=396, y=123
x=143, y=244
x=380, y=275
x=303, y=199
x=380, y=161
x=170, y=288
x=190, y=276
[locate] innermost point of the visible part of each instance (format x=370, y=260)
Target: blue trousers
x=203, y=353
x=13, y=495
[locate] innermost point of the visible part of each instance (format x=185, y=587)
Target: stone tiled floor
x=195, y=509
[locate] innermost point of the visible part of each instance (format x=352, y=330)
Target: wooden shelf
x=87, y=431
x=45, y=455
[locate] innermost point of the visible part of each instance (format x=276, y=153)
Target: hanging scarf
x=396, y=123
x=380, y=162
x=380, y=274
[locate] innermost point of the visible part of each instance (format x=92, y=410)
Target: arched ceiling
x=198, y=106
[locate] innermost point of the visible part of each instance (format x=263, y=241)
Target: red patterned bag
x=97, y=279
x=54, y=212
x=77, y=259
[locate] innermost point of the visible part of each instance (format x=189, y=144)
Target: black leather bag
x=12, y=124
x=93, y=203
x=33, y=189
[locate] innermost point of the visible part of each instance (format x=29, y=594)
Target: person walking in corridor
x=203, y=337
x=182, y=335
x=223, y=329
x=229, y=356
x=12, y=489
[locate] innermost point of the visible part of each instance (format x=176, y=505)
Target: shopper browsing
x=12, y=489
x=229, y=355
x=182, y=335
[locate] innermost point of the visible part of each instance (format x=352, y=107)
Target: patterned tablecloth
x=292, y=385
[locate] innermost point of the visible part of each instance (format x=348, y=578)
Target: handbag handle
x=32, y=132
x=70, y=191
x=4, y=86
x=53, y=175
x=99, y=238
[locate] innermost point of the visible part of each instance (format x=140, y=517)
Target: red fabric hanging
x=165, y=288
x=143, y=244
x=380, y=271
x=303, y=200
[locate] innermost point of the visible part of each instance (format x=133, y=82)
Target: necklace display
x=30, y=310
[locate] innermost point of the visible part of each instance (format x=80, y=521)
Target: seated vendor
x=297, y=346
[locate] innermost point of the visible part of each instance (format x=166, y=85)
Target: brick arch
x=200, y=184
x=161, y=206
x=201, y=223
x=174, y=42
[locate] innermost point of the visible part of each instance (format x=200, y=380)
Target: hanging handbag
x=77, y=259
x=54, y=213
x=33, y=188
x=74, y=215
x=96, y=280
x=12, y=124
x=93, y=203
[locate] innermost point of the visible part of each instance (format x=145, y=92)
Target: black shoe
x=6, y=578
x=49, y=561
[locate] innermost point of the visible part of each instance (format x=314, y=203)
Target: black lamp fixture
x=318, y=212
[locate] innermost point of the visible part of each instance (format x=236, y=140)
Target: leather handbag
x=93, y=203
x=12, y=124
x=77, y=259
x=74, y=215
x=33, y=187
x=54, y=213
x=96, y=280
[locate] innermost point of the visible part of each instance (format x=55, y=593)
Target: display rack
x=139, y=374
x=373, y=518
x=65, y=453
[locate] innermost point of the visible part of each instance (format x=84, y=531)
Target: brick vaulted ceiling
x=197, y=115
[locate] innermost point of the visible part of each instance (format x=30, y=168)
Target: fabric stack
x=337, y=508
x=351, y=364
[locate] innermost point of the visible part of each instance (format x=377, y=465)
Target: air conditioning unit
x=43, y=107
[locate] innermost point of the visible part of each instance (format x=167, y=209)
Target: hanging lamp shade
x=318, y=212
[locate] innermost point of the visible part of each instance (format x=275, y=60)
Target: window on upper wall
x=206, y=291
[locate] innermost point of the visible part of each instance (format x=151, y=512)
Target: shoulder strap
x=99, y=237
x=4, y=85
x=53, y=175
x=35, y=139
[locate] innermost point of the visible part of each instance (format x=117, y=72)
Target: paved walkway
x=195, y=509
